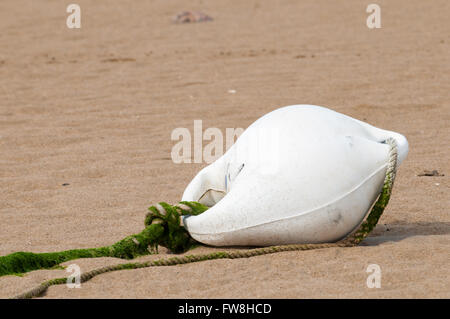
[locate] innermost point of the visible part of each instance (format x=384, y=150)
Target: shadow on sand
x=397, y=232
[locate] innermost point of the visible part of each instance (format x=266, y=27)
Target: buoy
x=299, y=174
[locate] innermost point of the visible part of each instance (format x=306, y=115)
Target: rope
x=352, y=240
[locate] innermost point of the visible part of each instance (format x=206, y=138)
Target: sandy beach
x=93, y=109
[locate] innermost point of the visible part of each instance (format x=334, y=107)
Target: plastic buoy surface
x=299, y=174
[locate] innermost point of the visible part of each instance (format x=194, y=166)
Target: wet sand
x=94, y=108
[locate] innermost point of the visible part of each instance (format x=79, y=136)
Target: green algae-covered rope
x=378, y=208
x=167, y=212
x=128, y=248
x=39, y=290
x=162, y=228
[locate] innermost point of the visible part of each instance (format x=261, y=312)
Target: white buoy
x=299, y=174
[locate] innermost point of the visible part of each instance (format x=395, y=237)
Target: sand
x=95, y=107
